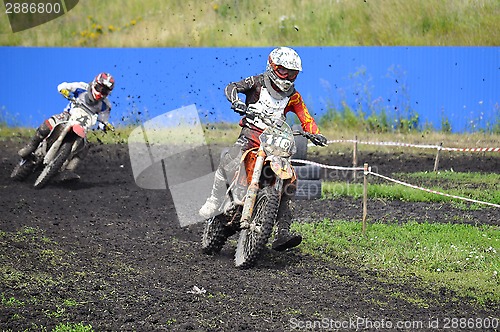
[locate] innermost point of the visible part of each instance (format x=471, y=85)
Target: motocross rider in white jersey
x=95, y=96
x=272, y=94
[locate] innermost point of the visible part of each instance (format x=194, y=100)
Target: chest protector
x=269, y=107
x=95, y=107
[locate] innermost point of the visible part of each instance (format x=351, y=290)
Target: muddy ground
x=107, y=253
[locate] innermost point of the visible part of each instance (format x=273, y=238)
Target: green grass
x=459, y=178
x=225, y=23
x=462, y=258
x=21, y=134
x=477, y=186
x=219, y=133
x=72, y=327
x=10, y=302
x=33, y=271
x=459, y=257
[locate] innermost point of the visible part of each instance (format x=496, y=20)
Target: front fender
x=281, y=167
x=66, y=133
x=79, y=130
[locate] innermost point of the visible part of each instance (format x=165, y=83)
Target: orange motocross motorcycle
x=253, y=197
x=64, y=141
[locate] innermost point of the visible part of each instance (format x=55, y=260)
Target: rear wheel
x=308, y=189
x=214, y=235
x=308, y=172
x=301, y=145
x=254, y=239
x=53, y=167
x=23, y=169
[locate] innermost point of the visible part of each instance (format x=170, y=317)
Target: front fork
x=253, y=189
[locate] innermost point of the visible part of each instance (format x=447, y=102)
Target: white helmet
x=283, y=66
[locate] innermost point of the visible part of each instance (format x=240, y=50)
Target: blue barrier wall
x=460, y=84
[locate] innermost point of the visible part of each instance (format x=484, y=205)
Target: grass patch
x=477, y=186
x=213, y=133
x=38, y=274
x=228, y=133
x=462, y=258
x=459, y=179
x=10, y=302
x=226, y=23
x=72, y=327
x=17, y=134
x=219, y=133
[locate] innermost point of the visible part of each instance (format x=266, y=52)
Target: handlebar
x=78, y=103
x=319, y=139
x=302, y=133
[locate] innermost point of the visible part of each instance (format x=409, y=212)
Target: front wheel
x=53, y=167
x=254, y=239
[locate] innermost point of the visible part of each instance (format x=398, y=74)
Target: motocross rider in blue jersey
x=94, y=96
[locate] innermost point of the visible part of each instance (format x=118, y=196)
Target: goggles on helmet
x=285, y=73
x=104, y=90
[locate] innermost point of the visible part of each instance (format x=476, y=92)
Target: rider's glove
x=318, y=139
x=239, y=107
x=65, y=93
x=108, y=126
x=252, y=111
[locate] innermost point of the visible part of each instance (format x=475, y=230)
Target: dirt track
x=118, y=260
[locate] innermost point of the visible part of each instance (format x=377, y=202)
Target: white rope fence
x=472, y=149
x=432, y=191
x=422, y=146
x=367, y=171
x=341, y=168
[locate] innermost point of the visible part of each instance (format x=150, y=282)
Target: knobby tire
x=54, y=166
x=252, y=242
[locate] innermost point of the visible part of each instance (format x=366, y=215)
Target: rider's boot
x=69, y=172
x=283, y=238
x=212, y=205
x=40, y=134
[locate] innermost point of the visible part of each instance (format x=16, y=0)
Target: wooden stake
x=355, y=157
x=436, y=161
x=365, y=196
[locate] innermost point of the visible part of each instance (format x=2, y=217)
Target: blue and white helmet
x=283, y=66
